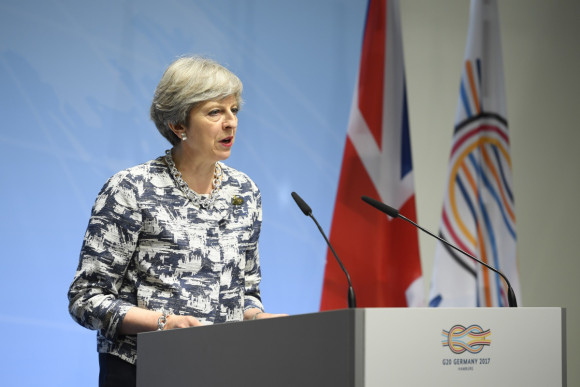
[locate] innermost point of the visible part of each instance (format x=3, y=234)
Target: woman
x=173, y=243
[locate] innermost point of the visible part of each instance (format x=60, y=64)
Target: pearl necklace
x=204, y=201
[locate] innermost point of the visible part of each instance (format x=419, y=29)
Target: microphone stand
x=395, y=214
x=351, y=297
x=305, y=208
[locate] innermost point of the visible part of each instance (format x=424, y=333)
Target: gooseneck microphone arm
x=394, y=213
x=308, y=212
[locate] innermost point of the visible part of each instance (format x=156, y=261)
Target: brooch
x=237, y=201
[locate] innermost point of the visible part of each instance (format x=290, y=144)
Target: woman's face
x=211, y=129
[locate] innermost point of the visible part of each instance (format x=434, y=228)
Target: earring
x=184, y=136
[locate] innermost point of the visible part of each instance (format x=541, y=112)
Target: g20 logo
x=460, y=339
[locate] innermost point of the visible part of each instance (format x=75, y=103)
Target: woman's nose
x=230, y=120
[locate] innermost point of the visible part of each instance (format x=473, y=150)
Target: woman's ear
x=178, y=129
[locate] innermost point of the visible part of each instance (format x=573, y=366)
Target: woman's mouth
x=228, y=141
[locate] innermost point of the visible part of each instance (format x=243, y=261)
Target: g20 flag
x=381, y=255
x=478, y=210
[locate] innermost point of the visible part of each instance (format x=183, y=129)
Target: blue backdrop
x=76, y=82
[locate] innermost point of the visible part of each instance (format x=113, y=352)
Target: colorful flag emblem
x=478, y=210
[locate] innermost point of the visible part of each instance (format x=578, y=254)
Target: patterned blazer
x=148, y=245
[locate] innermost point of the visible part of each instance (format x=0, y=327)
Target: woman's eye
x=214, y=112
x=235, y=111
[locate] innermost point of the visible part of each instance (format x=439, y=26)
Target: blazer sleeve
x=253, y=275
x=108, y=246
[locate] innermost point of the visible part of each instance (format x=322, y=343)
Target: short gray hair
x=187, y=82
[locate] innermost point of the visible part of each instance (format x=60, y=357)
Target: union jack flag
x=382, y=256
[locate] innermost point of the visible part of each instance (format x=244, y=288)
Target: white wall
x=541, y=62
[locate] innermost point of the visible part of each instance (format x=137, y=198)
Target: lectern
x=364, y=348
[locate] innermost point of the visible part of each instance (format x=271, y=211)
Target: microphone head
x=302, y=204
x=392, y=212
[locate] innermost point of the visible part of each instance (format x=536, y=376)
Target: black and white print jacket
x=147, y=245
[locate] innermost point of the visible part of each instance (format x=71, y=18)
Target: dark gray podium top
x=319, y=349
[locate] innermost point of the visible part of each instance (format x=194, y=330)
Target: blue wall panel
x=76, y=82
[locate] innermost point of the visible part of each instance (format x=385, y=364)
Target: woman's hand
x=269, y=315
x=139, y=320
x=175, y=321
x=257, y=314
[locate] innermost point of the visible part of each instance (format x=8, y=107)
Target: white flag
x=478, y=210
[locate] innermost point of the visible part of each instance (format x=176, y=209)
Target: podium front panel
x=364, y=348
x=465, y=347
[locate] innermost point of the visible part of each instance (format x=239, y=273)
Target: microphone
x=308, y=212
x=394, y=213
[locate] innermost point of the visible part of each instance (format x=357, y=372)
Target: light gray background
x=541, y=61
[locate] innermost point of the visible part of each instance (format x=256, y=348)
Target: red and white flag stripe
x=381, y=255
